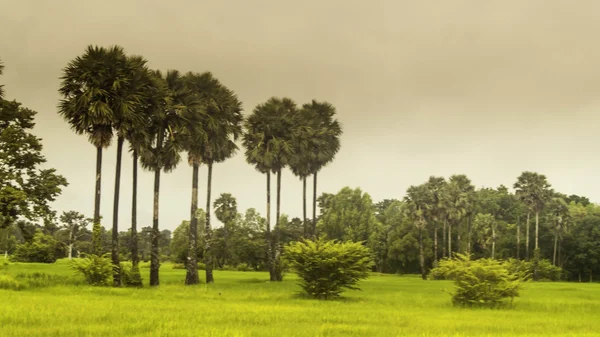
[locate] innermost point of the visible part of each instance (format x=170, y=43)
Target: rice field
x=245, y=304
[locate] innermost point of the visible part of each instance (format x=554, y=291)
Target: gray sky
x=485, y=88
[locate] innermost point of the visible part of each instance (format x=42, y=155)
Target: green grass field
x=243, y=304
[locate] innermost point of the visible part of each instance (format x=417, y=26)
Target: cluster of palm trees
x=453, y=203
x=107, y=93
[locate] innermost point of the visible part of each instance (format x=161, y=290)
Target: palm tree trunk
x=493, y=240
x=191, y=276
x=527, y=237
x=450, y=240
x=208, y=261
x=134, y=238
x=304, y=207
x=518, y=237
x=278, y=271
x=314, y=215
x=270, y=260
x=537, y=226
x=422, y=254
x=435, y=242
x=444, y=236
x=96, y=232
x=469, y=235
x=154, y=258
x=115, y=227
x=458, y=242
x=555, y=244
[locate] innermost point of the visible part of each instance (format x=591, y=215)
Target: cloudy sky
x=484, y=88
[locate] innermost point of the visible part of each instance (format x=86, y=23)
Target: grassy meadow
x=244, y=304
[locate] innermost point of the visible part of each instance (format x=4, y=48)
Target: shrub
x=130, y=275
x=243, y=267
x=326, y=268
x=8, y=282
x=543, y=269
x=483, y=282
x=42, y=248
x=97, y=270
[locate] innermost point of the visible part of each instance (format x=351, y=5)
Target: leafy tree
x=211, y=141
x=534, y=191
x=328, y=267
x=268, y=140
x=418, y=202
x=559, y=216
x=436, y=212
x=26, y=190
x=42, y=248
x=485, y=225
x=458, y=199
x=180, y=241
x=73, y=224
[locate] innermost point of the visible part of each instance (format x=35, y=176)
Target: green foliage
x=130, y=275
x=243, y=267
x=97, y=270
x=41, y=249
x=328, y=267
x=483, y=282
x=544, y=269
x=8, y=282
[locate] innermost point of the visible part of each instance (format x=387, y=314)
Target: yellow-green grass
x=245, y=304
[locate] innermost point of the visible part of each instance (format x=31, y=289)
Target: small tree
x=328, y=267
x=97, y=270
x=483, y=282
x=41, y=249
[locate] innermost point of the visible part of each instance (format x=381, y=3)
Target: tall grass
x=246, y=304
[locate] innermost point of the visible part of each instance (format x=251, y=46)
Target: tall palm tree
x=327, y=132
x=418, y=202
x=221, y=125
x=161, y=153
x=533, y=190
x=436, y=212
x=559, y=215
x=268, y=140
x=94, y=87
x=457, y=202
x=1, y=85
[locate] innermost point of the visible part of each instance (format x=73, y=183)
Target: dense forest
x=110, y=96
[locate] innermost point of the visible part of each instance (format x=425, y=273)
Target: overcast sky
x=484, y=88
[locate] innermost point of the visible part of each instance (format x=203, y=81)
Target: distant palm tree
x=560, y=216
x=161, y=153
x=457, y=200
x=1, y=85
x=92, y=88
x=212, y=141
x=268, y=140
x=327, y=132
x=418, y=202
x=534, y=191
x=436, y=212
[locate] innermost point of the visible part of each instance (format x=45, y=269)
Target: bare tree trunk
x=493, y=240
x=469, y=234
x=444, y=236
x=314, y=215
x=191, y=276
x=154, y=257
x=458, y=241
x=537, y=227
x=422, y=254
x=96, y=231
x=134, y=238
x=450, y=240
x=115, y=227
x=270, y=260
x=278, y=271
x=518, y=237
x=435, y=242
x=70, y=247
x=306, y=234
x=555, y=244
x=527, y=237
x=208, y=256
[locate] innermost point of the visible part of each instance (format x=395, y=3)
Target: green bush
x=243, y=267
x=96, y=270
x=326, y=268
x=130, y=276
x=483, y=282
x=42, y=249
x=544, y=269
x=9, y=283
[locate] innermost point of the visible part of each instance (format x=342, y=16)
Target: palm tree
x=268, y=140
x=161, y=152
x=559, y=215
x=93, y=87
x=1, y=86
x=533, y=190
x=457, y=200
x=418, y=201
x=436, y=212
x=221, y=126
x=327, y=133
